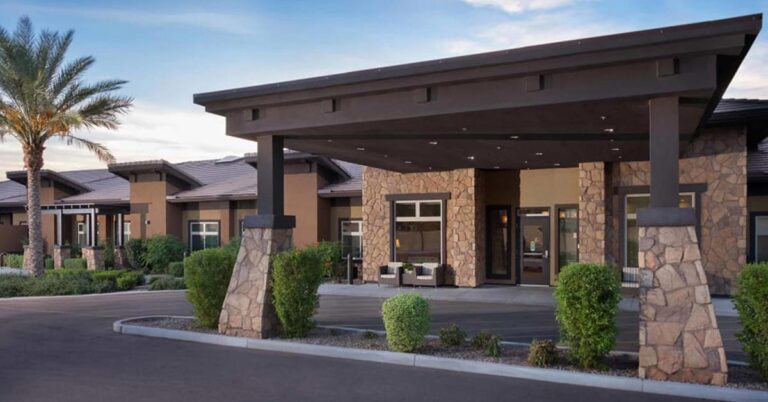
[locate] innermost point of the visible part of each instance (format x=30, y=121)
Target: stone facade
x=717, y=158
x=248, y=309
x=94, y=258
x=121, y=258
x=679, y=338
x=592, y=212
x=465, y=215
x=60, y=253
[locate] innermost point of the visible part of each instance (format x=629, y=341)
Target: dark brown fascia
x=340, y=194
x=648, y=44
x=239, y=197
x=126, y=169
x=298, y=157
x=20, y=176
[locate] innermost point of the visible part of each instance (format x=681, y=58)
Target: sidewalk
x=499, y=294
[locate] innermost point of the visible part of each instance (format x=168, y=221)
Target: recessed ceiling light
x=329, y=140
x=498, y=148
x=361, y=148
x=608, y=130
x=539, y=153
x=408, y=162
x=471, y=157
x=386, y=156
x=526, y=162
x=615, y=149
x=611, y=140
x=463, y=129
x=433, y=143
x=603, y=118
x=514, y=137
x=497, y=167
x=429, y=167
x=619, y=156
x=556, y=164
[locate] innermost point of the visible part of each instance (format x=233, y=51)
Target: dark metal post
x=664, y=151
x=350, y=277
x=270, y=175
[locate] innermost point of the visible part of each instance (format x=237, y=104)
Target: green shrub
x=296, y=276
x=751, y=301
x=75, y=251
x=105, y=281
x=14, y=260
x=80, y=273
x=167, y=283
x=330, y=256
x=493, y=349
x=48, y=262
x=587, y=302
x=109, y=254
x=128, y=280
x=481, y=340
x=406, y=320
x=135, y=252
x=370, y=335
x=452, y=336
x=176, y=269
x=14, y=285
x=542, y=353
x=75, y=282
x=207, y=273
x=75, y=263
x=161, y=251
x=233, y=247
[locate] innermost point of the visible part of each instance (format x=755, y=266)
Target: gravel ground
x=621, y=365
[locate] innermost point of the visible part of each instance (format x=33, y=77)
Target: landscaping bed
x=616, y=365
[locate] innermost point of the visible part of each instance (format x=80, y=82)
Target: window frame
x=82, y=230
x=359, y=234
x=753, y=233
x=558, y=208
x=417, y=218
x=205, y=233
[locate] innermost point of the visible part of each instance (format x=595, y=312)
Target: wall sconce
x=504, y=219
x=397, y=243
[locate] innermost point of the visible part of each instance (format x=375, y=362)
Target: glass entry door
x=534, y=250
x=498, y=258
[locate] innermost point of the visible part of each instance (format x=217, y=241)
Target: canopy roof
x=540, y=106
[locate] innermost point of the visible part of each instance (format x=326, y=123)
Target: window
x=352, y=239
x=82, y=233
x=568, y=236
x=634, y=202
x=760, y=245
x=126, y=231
x=418, y=236
x=203, y=235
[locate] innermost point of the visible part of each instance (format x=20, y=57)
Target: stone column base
x=94, y=258
x=60, y=253
x=679, y=338
x=121, y=258
x=247, y=309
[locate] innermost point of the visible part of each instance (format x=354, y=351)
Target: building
x=203, y=203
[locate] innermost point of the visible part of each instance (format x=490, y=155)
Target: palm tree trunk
x=35, y=262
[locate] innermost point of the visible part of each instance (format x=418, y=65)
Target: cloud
x=534, y=30
x=751, y=81
x=209, y=20
x=148, y=132
x=520, y=6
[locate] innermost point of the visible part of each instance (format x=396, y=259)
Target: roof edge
x=125, y=169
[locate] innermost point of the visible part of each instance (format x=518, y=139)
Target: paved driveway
x=63, y=349
x=511, y=322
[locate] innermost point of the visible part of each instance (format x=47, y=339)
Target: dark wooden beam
x=270, y=203
x=664, y=151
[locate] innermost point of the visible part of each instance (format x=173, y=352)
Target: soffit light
x=514, y=137
x=615, y=149
x=433, y=143
x=407, y=162
x=608, y=130
x=498, y=148
x=361, y=148
x=471, y=157
x=557, y=164
x=497, y=167
x=539, y=153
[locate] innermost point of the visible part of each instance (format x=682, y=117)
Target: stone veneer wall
x=717, y=157
x=94, y=258
x=464, y=219
x=679, y=338
x=592, y=212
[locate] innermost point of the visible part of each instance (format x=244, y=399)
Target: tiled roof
x=353, y=186
x=12, y=193
x=739, y=110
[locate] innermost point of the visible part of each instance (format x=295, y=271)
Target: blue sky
x=169, y=50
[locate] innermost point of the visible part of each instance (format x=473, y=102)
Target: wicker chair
x=426, y=274
x=391, y=274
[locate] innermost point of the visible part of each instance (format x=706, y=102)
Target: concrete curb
x=128, y=292
x=450, y=364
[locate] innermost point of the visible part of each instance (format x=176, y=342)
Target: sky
x=170, y=50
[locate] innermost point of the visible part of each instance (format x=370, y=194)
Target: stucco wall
x=344, y=208
x=464, y=215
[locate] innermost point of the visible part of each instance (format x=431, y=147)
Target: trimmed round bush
x=587, y=303
x=751, y=301
x=406, y=320
x=481, y=340
x=207, y=273
x=129, y=280
x=296, y=276
x=135, y=253
x=48, y=262
x=176, y=269
x=331, y=258
x=233, y=247
x=167, y=283
x=161, y=251
x=105, y=281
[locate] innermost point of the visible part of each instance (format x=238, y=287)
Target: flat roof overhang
x=540, y=106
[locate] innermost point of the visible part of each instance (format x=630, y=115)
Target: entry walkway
x=497, y=294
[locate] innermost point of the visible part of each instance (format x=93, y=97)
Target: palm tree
x=41, y=98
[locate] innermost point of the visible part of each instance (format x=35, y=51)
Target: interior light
x=608, y=130
x=361, y=148
x=433, y=143
x=539, y=153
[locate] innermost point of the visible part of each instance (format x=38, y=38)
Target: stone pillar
x=679, y=338
x=94, y=258
x=60, y=253
x=592, y=199
x=247, y=309
x=121, y=258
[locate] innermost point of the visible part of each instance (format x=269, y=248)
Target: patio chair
x=426, y=274
x=391, y=274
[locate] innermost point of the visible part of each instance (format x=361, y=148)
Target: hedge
x=751, y=301
x=207, y=273
x=296, y=276
x=161, y=250
x=176, y=269
x=67, y=282
x=75, y=263
x=406, y=320
x=135, y=251
x=587, y=303
x=14, y=260
x=167, y=283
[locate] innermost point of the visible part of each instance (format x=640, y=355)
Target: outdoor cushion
x=423, y=276
x=388, y=276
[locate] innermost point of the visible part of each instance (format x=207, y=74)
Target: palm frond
x=68, y=76
x=97, y=149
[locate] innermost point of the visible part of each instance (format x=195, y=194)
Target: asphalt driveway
x=63, y=349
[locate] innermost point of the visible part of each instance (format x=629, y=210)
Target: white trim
x=204, y=232
x=419, y=218
x=355, y=233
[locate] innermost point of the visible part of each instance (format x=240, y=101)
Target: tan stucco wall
x=11, y=236
x=218, y=211
x=301, y=201
x=351, y=210
x=148, y=203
